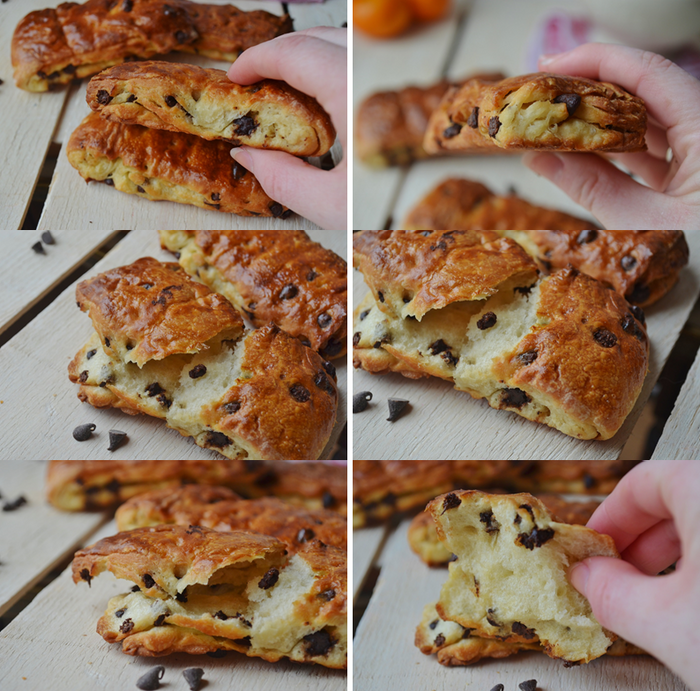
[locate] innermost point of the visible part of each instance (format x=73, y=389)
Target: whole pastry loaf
x=205, y=102
x=280, y=278
x=540, y=111
x=167, y=166
x=55, y=46
x=565, y=350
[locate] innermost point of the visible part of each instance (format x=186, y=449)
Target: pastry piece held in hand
x=218, y=508
x=167, y=166
x=201, y=591
x=280, y=278
x=206, y=103
x=509, y=581
x=149, y=310
x=411, y=274
x=546, y=111
x=460, y=204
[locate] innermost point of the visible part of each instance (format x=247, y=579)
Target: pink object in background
x=556, y=33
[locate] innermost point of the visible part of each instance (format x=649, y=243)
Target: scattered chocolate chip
x=198, y=371
x=195, y=529
x=128, y=5
x=269, y=579
x=127, y=625
x=630, y=326
x=440, y=245
x=150, y=680
x=221, y=615
x=522, y=630
x=588, y=481
x=90, y=354
x=364, y=314
x=451, y=501
x=628, y=262
x=452, y=131
x=640, y=293
x=288, y=292
x=299, y=393
x=193, y=677
x=215, y=197
x=498, y=687
x=107, y=342
x=439, y=640
x=140, y=189
x=219, y=653
x=638, y=312
x=324, y=320
x=449, y=358
x=154, y=389
x=396, y=408
x=120, y=613
x=218, y=440
x=438, y=347
x=14, y=504
x=85, y=575
x=311, y=275
x=38, y=248
x=530, y=685
x=116, y=439
x=327, y=595
x=84, y=432
x=528, y=357
x=536, y=538
x=305, y=534
x=83, y=376
x=135, y=589
x=380, y=295
x=586, y=236
x=181, y=597
x=238, y=172
x=332, y=348
x=318, y=643
x=232, y=407
x=487, y=321
x=494, y=126
x=245, y=126
x=330, y=369
x=514, y=398
x=181, y=36
x=103, y=97
x=327, y=500
x=109, y=182
x=572, y=101
x=148, y=580
x=277, y=210
x=433, y=624
x=160, y=620
x=473, y=119
x=360, y=401
x=170, y=101
x=324, y=383
x=48, y=238
x=131, y=99
x=491, y=619
x=523, y=290
x=605, y=338
x=492, y=525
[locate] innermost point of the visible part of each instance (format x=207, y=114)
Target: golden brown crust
x=543, y=111
x=280, y=278
x=149, y=310
x=460, y=204
x=412, y=273
x=169, y=166
x=206, y=103
x=55, y=46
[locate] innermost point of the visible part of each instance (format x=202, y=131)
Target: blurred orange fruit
x=383, y=18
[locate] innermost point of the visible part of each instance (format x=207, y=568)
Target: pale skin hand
x=315, y=62
x=672, y=99
x=653, y=515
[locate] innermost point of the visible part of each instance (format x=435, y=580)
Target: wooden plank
x=59, y=626
x=681, y=436
x=36, y=360
x=386, y=657
x=446, y=424
x=367, y=543
x=29, y=120
x=36, y=537
x=29, y=276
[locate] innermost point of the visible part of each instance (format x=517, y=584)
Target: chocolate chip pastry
x=72, y=41
x=201, y=591
x=206, y=103
x=507, y=545
x=538, y=111
x=259, y=395
x=563, y=350
x=167, y=166
x=99, y=485
x=280, y=278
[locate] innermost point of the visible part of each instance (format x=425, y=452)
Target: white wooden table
x=446, y=424
x=32, y=122
x=39, y=406
x=386, y=657
x=52, y=642
x=494, y=36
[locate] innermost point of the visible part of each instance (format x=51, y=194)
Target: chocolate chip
x=492, y=525
x=193, y=677
x=528, y=357
x=498, y=687
x=245, y=126
x=221, y=615
x=182, y=36
x=439, y=640
x=360, y=401
x=181, y=597
x=536, y=538
x=116, y=439
x=85, y=575
x=588, y=481
x=38, y=248
x=131, y=98
x=638, y=312
x=628, y=262
x=324, y=320
x=128, y=625
x=305, y=534
x=195, y=529
x=452, y=131
x=154, y=389
x=103, y=97
x=396, y=408
x=473, y=119
x=232, y=407
x=84, y=375
x=109, y=182
x=586, y=236
x=311, y=275
x=514, y=398
x=48, y=238
x=327, y=500
x=523, y=290
x=332, y=348
x=451, y=501
x=140, y=189
x=327, y=595
x=107, y=342
x=449, y=358
x=218, y=440
x=380, y=295
x=573, y=101
x=120, y=613
x=14, y=504
x=128, y=5
x=150, y=680
x=198, y=371
x=83, y=432
x=135, y=589
x=238, y=172
x=605, y=338
x=640, y=293
x=324, y=383
x=440, y=245
x=437, y=347
x=522, y=630
x=90, y=354
x=330, y=369
x=364, y=314
x=269, y=579
x=215, y=197
x=487, y=321
x=494, y=126
x=276, y=209
x=148, y=580
x=170, y=101
x=630, y=326
x=530, y=685
x=318, y=643
x=288, y=292
x=490, y=618
x=160, y=620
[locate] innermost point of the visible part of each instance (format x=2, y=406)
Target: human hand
x=672, y=97
x=315, y=62
x=653, y=516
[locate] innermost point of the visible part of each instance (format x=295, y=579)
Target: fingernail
x=241, y=155
x=547, y=165
x=578, y=577
x=548, y=57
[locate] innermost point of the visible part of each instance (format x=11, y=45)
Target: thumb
x=291, y=181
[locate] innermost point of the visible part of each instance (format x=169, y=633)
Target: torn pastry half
x=167, y=166
x=563, y=350
x=540, y=111
x=200, y=591
x=271, y=277
x=508, y=547
x=206, y=103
